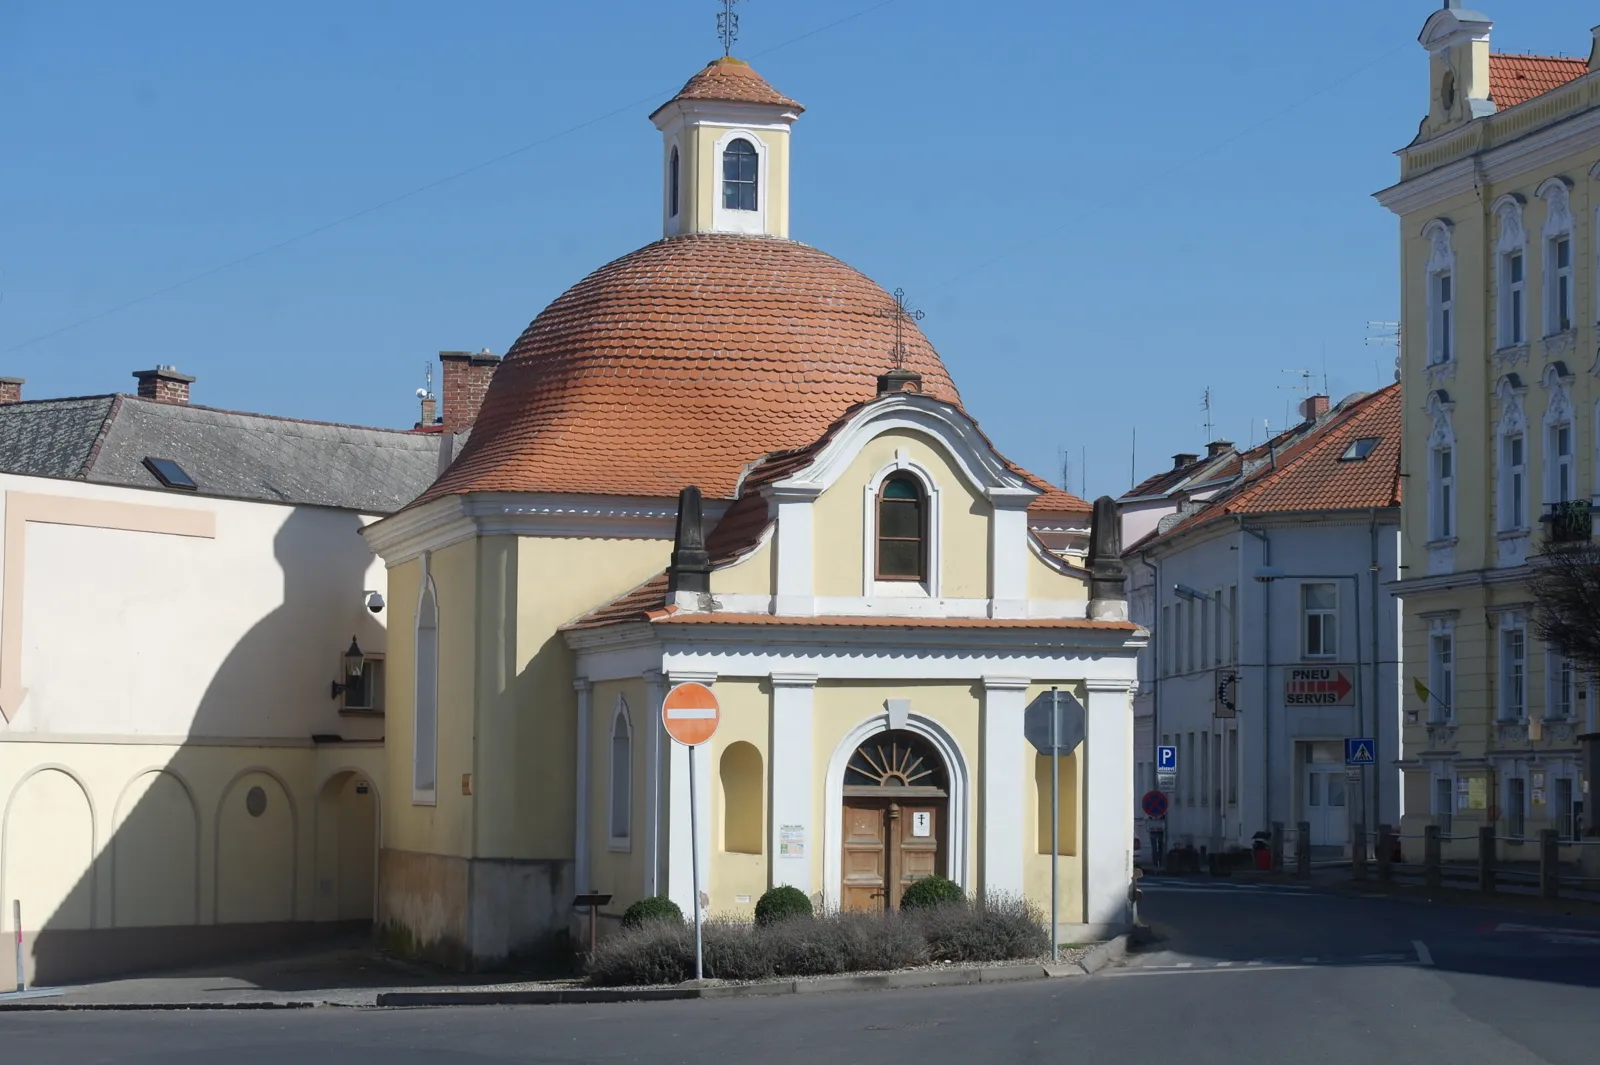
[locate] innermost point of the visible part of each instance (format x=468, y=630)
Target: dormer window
x=673, y=179
x=902, y=530
x=740, y=165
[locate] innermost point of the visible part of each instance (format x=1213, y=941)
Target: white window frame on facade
x=1561, y=686
x=1327, y=629
x=726, y=220
x=620, y=718
x=425, y=716
x=1164, y=637
x=1510, y=248
x=1441, y=313
x=1558, y=227
x=1512, y=667
x=1561, y=470
x=870, y=585
x=1511, y=493
x=1442, y=494
x=1441, y=669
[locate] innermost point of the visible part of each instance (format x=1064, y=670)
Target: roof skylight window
x=1360, y=449
x=170, y=474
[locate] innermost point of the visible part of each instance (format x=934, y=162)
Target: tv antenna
x=1205, y=405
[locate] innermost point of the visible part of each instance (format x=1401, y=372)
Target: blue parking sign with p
x=1166, y=758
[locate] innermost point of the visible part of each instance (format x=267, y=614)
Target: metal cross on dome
x=901, y=315
x=728, y=26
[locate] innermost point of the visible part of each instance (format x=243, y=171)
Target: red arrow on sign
x=1341, y=686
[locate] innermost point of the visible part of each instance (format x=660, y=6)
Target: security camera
x=375, y=603
x=1187, y=592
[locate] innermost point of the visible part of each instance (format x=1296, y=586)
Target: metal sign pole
x=694, y=862
x=1055, y=815
x=16, y=922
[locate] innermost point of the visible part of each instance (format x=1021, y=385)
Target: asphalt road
x=1243, y=974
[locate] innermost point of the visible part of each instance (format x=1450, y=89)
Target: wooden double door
x=888, y=843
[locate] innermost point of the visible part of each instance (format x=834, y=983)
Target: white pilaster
x=1004, y=772
x=792, y=772
x=1008, y=553
x=796, y=595
x=680, y=866
x=1108, y=804
x=580, y=829
x=650, y=728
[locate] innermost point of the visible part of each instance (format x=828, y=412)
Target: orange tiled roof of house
x=1516, y=79
x=1312, y=474
x=732, y=80
x=683, y=363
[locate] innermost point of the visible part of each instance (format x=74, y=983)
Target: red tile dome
x=680, y=364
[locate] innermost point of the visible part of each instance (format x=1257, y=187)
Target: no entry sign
x=690, y=714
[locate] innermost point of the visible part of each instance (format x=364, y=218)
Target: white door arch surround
x=833, y=798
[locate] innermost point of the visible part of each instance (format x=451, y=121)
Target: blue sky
x=1104, y=209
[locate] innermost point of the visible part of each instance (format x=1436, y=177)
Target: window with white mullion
x=1562, y=487
x=1558, y=315
x=1441, y=676
x=1513, y=296
x=1320, y=614
x=1562, y=700
x=1443, y=495
x=1513, y=674
x=1513, y=483
x=1443, y=317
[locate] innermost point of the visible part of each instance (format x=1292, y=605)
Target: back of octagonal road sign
x=690, y=714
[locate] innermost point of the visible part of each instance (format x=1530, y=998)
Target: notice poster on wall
x=791, y=841
x=1477, y=793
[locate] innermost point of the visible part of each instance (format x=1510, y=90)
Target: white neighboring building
x=1317, y=511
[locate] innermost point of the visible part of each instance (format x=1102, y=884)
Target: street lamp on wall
x=355, y=660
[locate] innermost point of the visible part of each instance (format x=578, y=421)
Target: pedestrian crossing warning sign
x=1358, y=752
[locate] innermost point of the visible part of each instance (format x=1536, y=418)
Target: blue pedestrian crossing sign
x=1358, y=752
x=1166, y=758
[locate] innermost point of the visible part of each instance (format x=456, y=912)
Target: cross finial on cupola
x=728, y=26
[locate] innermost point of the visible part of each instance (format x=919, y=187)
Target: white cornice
x=1446, y=582
x=451, y=519
x=980, y=466
x=679, y=113
x=1568, y=136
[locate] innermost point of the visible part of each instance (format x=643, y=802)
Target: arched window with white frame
x=901, y=531
x=1512, y=491
x=425, y=730
x=619, y=818
x=1560, y=462
x=1511, y=272
x=1560, y=310
x=1441, y=295
x=1441, y=469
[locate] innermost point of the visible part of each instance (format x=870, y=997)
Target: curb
x=1103, y=955
x=134, y=1007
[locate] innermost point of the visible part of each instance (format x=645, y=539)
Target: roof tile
x=1516, y=79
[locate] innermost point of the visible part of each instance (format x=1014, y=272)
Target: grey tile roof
x=242, y=456
x=53, y=438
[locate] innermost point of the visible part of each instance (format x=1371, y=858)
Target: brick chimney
x=1218, y=447
x=11, y=390
x=1314, y=407
x=164, y=384
x=1184, y=458
x=466, y=380
x=430, y=410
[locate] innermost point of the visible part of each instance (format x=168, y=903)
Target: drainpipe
x=1376, y=816
x=1155, y=674
x=1266, y=674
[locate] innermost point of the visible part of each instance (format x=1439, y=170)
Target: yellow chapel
x=730, y=458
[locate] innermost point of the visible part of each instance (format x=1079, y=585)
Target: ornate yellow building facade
x=1499, y=208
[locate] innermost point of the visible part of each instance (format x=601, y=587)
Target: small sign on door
x=921, y=823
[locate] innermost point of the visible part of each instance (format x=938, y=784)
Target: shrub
x=655, y=908
x=781, y=904
x=652, y=952
x=1000, y=928
x=734, y=950
x=872, y=942
x=931, y=891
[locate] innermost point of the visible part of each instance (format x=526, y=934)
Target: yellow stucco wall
x=755, y=574
x=122, y=835
x=1048, y=583
x=619, y=872
x=557, y=580
x=838, y=521
x=738, y=879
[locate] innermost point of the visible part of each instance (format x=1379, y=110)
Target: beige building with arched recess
x=867, y=588
x=1499, y=210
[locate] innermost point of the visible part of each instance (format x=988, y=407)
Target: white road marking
x=1181, y=964
x=1424, y=955
x=1220, y=964
x=1201, y=972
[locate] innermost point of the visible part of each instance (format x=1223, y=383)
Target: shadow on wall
x=248, y=835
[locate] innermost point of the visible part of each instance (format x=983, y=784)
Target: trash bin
x=1262, y=852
